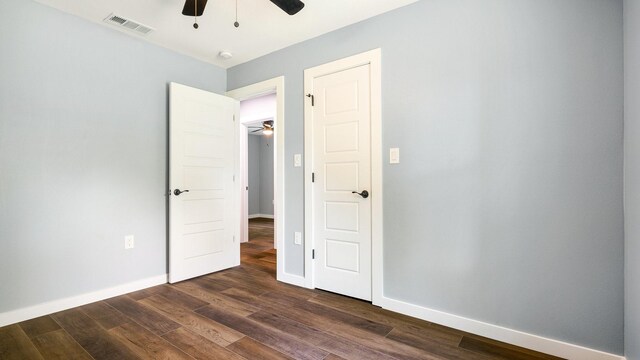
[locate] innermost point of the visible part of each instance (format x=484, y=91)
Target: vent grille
x=128, y=24
x=117, y=19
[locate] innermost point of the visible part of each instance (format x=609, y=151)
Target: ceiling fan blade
x=190, y=7
x=291, y=7
x=256, y=130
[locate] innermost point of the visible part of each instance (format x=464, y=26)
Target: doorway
x=275, y=88
x=259, y=163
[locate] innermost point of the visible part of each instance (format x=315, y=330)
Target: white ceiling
x=264, y=28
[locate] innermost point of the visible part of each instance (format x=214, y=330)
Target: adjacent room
x=306, y=179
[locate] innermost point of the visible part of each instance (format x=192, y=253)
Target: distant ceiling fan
x=266, y=128
x=195, y=8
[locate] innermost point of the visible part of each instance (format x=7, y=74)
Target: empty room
x=320, y=179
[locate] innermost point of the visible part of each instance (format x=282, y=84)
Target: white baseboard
x=266, y=216
x=296, y=280
x=518, y=338
x=31, y=312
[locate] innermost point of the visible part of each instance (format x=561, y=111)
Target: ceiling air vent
x=122, y=22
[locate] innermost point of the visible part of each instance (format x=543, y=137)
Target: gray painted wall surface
x=83, y=147
x=253, y=173
x=507, y=204
x=632, y=177
x=266, y=175
x=260, y=172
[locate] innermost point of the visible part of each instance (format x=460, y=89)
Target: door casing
x=248, y=92
x=372, y=58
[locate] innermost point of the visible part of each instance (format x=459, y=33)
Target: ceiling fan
x=266, y=128
x=195, y=8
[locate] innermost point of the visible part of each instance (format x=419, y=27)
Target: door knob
x=364, y=193
x=178, y=192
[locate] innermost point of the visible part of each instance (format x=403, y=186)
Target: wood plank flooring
x=242, y=313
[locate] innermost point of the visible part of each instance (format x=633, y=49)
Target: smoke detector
x=225, y=55
x=128, y=24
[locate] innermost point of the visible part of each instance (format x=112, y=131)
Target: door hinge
x=313, y=99
x=313, y=254
x=313, y=177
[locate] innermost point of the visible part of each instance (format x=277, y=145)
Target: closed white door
x=204, y=220
x=342, y=174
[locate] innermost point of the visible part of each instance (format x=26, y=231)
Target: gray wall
x=253, y=168
x=632, y=177
x=266, y=175
x=507, y=205
x=83, y=148
x=260, y=173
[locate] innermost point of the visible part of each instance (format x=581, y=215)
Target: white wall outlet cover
x=298, y=238
x=297, y=160
x=394, y=156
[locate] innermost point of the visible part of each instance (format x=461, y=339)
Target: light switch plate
x=297, y=160
x=129, y=242
x=298, y=238
x=394, y=156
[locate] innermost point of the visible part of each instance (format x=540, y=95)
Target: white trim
x=251, y=91
x=237, y=204
x=244, y=181
x=515, y=337
x=292, y=279
x=373, y=58
x=31, y=312
x=308, y=193
x=377, y=231
x=266, y=216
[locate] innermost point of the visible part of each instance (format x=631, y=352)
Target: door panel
x=342, y=164
x=203, y=222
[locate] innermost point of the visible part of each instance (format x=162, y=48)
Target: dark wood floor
x=242, y=313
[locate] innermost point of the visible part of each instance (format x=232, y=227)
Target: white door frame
x=248, y=92
x=372, y=58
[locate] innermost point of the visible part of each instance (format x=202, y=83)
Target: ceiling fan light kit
x=195, y=8
x=266, y=128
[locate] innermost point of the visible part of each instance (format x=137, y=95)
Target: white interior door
x=203, y=216
x=342, y=166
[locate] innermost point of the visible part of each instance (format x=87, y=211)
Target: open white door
x=203, y=216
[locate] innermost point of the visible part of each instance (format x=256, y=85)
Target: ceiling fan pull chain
x=236, y=24
x=195, y=17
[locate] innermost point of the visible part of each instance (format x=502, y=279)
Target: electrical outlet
x=297, y=160
x=129, y=242
x=298, y=238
